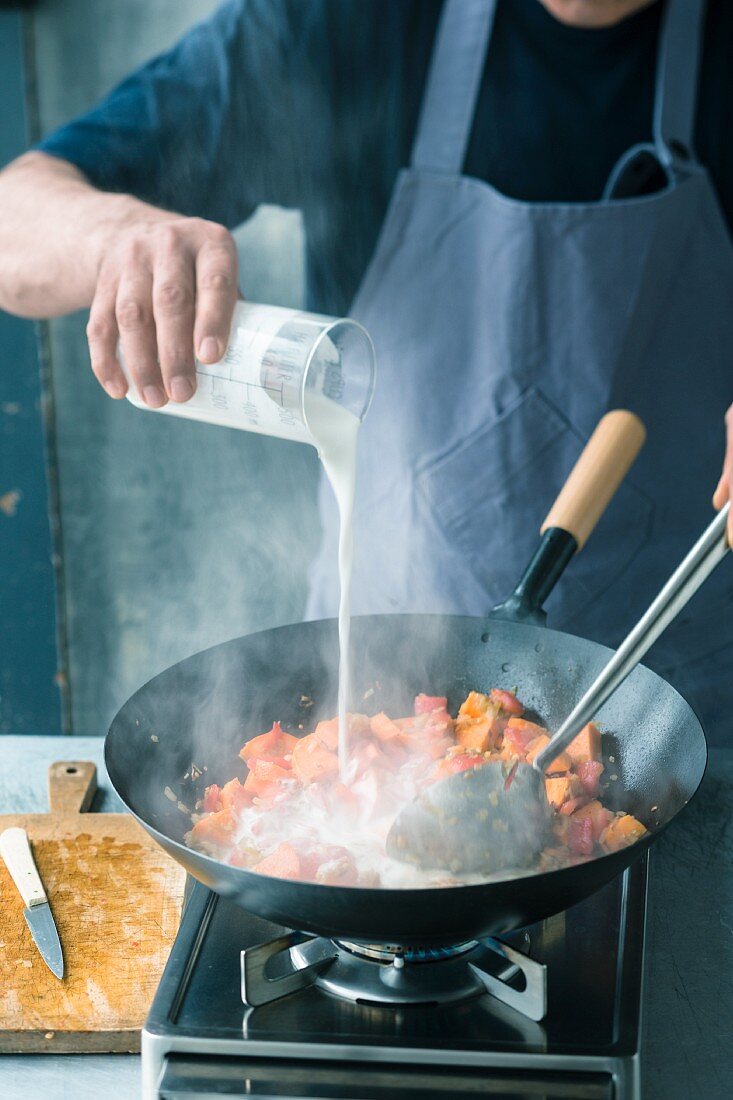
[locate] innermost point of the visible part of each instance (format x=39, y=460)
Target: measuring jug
x=278, y=363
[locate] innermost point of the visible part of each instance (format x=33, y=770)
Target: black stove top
x=200, y=1040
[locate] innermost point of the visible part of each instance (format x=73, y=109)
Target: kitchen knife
x=16, y=851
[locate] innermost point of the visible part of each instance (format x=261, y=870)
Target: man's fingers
x=102, y=336
x=216, y=294
x=173, y=309
x=134, y=315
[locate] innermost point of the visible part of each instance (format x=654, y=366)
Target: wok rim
x=421, y=893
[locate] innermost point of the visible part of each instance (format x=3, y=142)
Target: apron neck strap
x=678, y=65
x=453, y=82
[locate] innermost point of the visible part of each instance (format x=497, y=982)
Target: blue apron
x=503, y=331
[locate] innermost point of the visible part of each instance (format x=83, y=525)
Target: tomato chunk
x=508, y=702
x=284, y=862
x=268, y=746
x=235, y=797
x=211, y=802
x=589, y=773
x=424, y=704
x=215, y=830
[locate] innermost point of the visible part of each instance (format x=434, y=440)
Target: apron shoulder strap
x=678, y=68
x=452, y=86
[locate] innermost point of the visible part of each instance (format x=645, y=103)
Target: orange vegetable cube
x=384, y=728
x=561, y=763
x=623, y=831
x=312, y=760
x=586, y=746
x=475, y=705
x=476, y=733
x=561, y=789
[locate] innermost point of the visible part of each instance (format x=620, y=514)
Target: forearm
x=54, y=230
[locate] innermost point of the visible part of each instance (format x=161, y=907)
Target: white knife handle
x=16, y=851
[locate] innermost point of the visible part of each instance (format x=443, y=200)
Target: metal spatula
x=485, y=821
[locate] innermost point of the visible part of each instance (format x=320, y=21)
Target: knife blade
x=39, y=919
x=16, y=851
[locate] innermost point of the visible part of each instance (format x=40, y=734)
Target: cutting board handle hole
x=71, y=771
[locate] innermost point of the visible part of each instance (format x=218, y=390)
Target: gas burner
x=381, y=974
x=389, y=952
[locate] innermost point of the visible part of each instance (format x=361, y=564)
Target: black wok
x=202, y=710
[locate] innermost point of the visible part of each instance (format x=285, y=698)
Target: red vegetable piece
x=211, y=802
x=580, y=836
x=589, y=773
x=235, y=797
x=425, y=704
x=508, y=702
x=458, y=762
x=284, y=862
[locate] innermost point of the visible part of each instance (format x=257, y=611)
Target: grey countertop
x=688, y=1005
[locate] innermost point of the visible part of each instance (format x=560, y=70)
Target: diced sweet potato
x=312, y=760
x=528, y=731
x=561, y=789
x=475, y=705
x=268, y=746
x=623, y=831
x=586, y=746
x=561, y=763
x=284, y=862
x=476, y=733
x=384, y=728
x=508, y=702
x=424, y=704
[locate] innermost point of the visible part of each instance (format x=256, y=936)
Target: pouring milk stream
x=304, y=377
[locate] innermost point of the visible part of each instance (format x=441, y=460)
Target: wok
x=201, y=710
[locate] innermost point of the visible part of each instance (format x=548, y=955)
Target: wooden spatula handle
x=597, y=474
x=71, y=786
x=16, y=851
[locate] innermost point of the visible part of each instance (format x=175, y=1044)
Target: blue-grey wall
x=174, y=535
x=30, y=696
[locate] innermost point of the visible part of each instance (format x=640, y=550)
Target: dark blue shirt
x=313, y=104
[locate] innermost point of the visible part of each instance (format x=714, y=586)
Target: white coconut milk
x=335, y=431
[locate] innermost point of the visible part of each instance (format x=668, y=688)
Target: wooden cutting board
x=116, y=898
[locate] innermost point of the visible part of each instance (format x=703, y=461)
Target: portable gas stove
x=246, y=1008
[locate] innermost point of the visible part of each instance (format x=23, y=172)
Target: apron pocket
x=490, y=494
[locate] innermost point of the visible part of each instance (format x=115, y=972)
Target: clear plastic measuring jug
x=280, y=361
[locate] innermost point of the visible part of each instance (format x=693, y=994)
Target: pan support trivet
x=389, y=974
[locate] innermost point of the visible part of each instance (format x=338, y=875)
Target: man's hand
x=724, y=492
x=164, y=285
x=164, y=289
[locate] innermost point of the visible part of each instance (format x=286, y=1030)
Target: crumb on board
x=154, y=738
